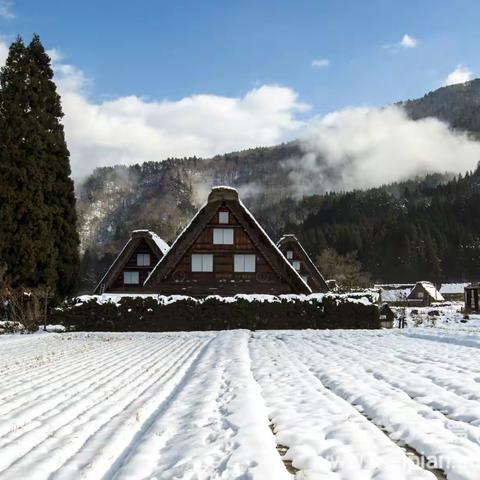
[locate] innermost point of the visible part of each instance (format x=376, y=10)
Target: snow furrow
x=326, y=436
x=114, y=417
x=224, y=429
x=427, y=431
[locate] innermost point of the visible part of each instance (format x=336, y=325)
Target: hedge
x=213, y=313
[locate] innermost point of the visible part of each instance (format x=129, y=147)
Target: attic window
x=131, y=278
x=296, y=265
x=223, y=236
x=244, y=263
x=223, y=217
x=305, y=278
x=420, y=295
x=202, y=262
x=289, y=254
x=143, y=259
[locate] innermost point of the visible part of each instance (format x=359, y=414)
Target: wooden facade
x=472, y=298
x=134, y=264
x=224, y=251
x=301, y=261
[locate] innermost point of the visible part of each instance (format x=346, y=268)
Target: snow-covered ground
x=443, y=316
x=343, y=405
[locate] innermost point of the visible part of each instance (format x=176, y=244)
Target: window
x=202, y=262
x=305, y=278
x=289, y=254
x=222, y=217
x=420, y=295
x=296, y=265
x=244, y=263
x=131, y=278
x=223, y=236
x=143, y=259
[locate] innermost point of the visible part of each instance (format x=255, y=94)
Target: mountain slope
x=458, y=105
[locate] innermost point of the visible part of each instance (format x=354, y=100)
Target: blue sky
x=159, y=49
x=147, y=80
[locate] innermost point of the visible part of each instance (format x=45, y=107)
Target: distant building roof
x=395, y=292
x=452, y=288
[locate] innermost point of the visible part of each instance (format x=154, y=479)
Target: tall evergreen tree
x=26, y=247
x=55, y=157
x=39, y=242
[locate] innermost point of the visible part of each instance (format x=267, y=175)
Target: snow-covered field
x=339, y=405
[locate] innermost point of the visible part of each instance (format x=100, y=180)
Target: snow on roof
x=398, y=294
x=161, y=244
x=452, y=288
x=431, y=290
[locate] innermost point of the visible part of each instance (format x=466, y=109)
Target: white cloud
x=3, y=53
x=366, y=147
x=131, y=129
x=321, y=63
x=406, y=42
x=461, y=74
x=6, y=9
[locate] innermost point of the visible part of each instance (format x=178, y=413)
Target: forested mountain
x=427, y=232
x=424, y=228
x=458, y=105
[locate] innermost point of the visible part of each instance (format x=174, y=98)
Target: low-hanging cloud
x=351, y=148
x=131, y=129
x=366, y=147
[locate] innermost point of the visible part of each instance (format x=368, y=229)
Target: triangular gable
x=428, y=288
x=218, y=198
x=317, y=277
x=158, y=246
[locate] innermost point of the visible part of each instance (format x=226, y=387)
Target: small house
x=224, y=251
x=424, y=294
x=453, y=292
x=471, y=297
x=133, y=265
x=294, y=252
x=387, y=316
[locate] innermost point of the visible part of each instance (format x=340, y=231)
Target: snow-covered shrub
x=11, y=327
x=155, y=313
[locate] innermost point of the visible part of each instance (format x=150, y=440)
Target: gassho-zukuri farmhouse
x=222, y=251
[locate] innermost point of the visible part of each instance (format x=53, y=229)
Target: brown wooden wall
x=223, y=280
x=117, y=285
x=297, y=256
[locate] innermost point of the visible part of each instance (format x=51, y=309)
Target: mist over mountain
x=392, y=150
